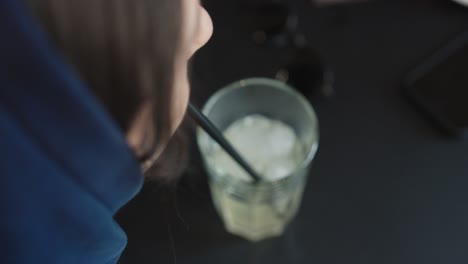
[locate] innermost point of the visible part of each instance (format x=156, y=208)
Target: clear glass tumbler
x=261, y=210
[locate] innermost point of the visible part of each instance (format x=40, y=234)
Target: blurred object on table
x=306, y=71
x=335, y=2
x=462, y=2
x=276, y=24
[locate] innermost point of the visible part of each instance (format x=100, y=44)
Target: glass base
x=255, y=221
x=253, y=236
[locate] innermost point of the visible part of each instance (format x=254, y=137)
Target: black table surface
x=385, y=187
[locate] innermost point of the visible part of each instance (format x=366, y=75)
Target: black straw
x=215, y=134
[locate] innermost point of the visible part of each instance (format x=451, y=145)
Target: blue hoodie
x=65, y=168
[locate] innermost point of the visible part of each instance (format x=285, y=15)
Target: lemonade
x=271, y=147
x=276, y=130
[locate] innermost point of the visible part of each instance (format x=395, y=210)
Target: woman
x=88, y=88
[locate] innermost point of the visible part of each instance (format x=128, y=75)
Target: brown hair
x=124, y=50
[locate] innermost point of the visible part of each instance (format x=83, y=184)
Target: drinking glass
x=259, y=210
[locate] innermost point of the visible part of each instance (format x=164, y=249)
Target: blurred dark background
x=386, y=186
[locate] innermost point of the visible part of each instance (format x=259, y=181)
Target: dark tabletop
x=385, y=187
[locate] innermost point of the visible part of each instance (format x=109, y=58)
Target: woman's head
x=133, y=54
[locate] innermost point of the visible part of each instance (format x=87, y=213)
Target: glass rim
x=279, y=85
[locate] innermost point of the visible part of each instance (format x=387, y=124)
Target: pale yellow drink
x=259, y=210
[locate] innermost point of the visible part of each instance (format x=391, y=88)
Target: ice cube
x=269, y=146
